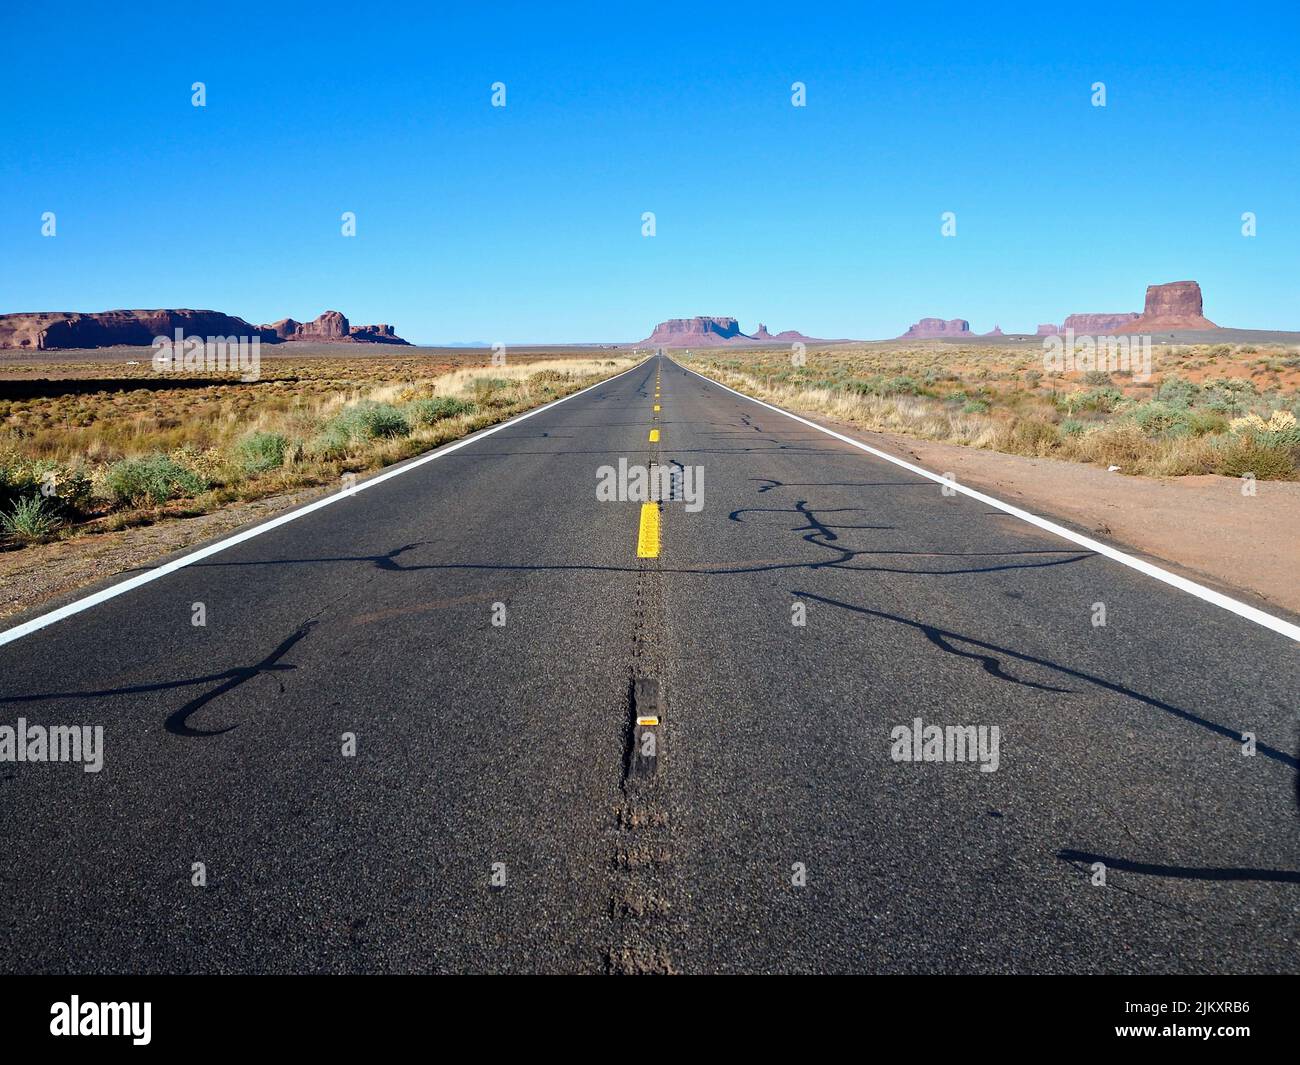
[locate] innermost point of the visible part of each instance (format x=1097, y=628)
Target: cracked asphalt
x=484, y=825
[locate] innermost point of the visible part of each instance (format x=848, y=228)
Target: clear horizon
x=523, y=224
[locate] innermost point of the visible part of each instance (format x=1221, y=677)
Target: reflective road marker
x=647, y=540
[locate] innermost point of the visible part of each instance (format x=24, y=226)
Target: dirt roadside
x=1203, y=528
x=49, y=573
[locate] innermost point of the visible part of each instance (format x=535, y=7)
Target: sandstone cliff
x=333, y=328
x=938, y=327
x=699, y=332
x=47, y=330
x=707, y=332
x=1176, y=305
x=1083, y=324
x=68, y=329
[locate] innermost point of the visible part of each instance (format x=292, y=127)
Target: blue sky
x=523, y=223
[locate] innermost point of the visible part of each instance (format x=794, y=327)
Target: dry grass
x=108, y=459
x=1192, y=416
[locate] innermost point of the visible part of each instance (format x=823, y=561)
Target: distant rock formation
x=697, y=332
x=938, y=327
x=329, y=327
x=996, y=331
x=376, y=334
x=1083, y=324
x=69, y=329
x=333, y=328
x=1169, y=308
x=707, y=332
x=48, y=330
x=1173, y=306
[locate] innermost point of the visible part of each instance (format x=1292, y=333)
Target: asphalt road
x=776, y=832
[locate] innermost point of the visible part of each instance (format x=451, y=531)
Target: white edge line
x=77, y=606
x=1218, y=599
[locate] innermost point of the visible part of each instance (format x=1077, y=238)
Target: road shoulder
x=1204, y=528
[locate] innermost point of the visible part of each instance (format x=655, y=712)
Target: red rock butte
x=1099, y=323
x=708, y=331
x=701, y=331
x=333, y=328
x=48, y=330
x=1171, y=307
x=1176, y=305
x=938, y=327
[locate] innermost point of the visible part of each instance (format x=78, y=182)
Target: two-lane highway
x=474, y=628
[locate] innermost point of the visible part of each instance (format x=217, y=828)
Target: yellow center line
x=654, y=436
x=656, y=406
x=647, y=539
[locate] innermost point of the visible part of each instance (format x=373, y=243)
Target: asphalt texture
x=486, y=823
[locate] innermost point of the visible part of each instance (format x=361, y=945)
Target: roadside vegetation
x=1221, y=409
x=76, y=463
